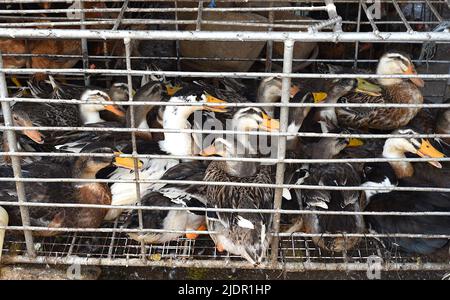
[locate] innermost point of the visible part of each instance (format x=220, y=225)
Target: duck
x=28, y=114
x=443, y=122
x=394, y=90
x=75, y=141
x=174, y=143
x=4, y=220
x=340, y=174
x=172, y=195
x=188, y=195
x=243, y=234
x=62, y=192
x=386, y=200
x=432, y=172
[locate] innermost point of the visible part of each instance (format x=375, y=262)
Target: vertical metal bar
x=284, y=116
x=269, y=48
x=15, y=160
x=177, y=42
x=358, y=28
x=402, y=16
x=370, y=17
x=435, y=12
x=199, y=16
x=332, y=14
x=127, y=43
x=84, y=45
x=120, y=17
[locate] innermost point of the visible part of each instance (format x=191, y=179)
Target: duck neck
x=176, y=117
x=240, y=169
x=140, y=116
x=402, y=169
x=89, y=116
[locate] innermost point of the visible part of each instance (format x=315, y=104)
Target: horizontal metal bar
x=234, y=184
x=227, y=132
x=297, y=266
x=213, y=158
x=216, y=74
x=296, y=234
x=228, y=104
x=168, y=9
x=227, y=35
x=234, y=210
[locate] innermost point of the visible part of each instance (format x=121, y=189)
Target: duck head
x=395, y=63
x=90, y=113
x=269, y=91
x=88, y=166
x=252, y=119
x=22, y=119
x=231, y=148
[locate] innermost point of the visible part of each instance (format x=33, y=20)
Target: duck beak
x=209, y=151
x=125, y=162
x=115, y=109
x=427, y=150
x=193, y=236
x=172, y=90
x=269, y=124
x=35, y=135
x=368, y=88
x=294, y=90
x=353, y=143
x=412, y=71
x=319, y=97
x=212, y=99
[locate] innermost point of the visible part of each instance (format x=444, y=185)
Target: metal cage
x=421, y=25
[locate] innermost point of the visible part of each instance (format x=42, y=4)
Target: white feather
x=244, y=223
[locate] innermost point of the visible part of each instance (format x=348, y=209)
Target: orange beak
x=172, y=90
x=115, y=109
x=126, y=162
x=193, y=236
x=412, y=71
x=209, y=151
x=428, y=151
x=35, y=135
x=212, y=99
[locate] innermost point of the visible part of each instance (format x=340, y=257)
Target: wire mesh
x=418, y=27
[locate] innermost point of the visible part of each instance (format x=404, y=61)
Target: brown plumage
x=240, y=233
x=381, y=118
x=60, y=192
x=395, y=91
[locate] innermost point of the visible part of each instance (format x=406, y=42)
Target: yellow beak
x=269, y=124
x=412, y=71
x=212, y=99
x=428, y=151
x=353, y=142
x=125, y=162
x=319, y=97
x=368, y=88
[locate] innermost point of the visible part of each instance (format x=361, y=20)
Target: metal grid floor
x=294, y=252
